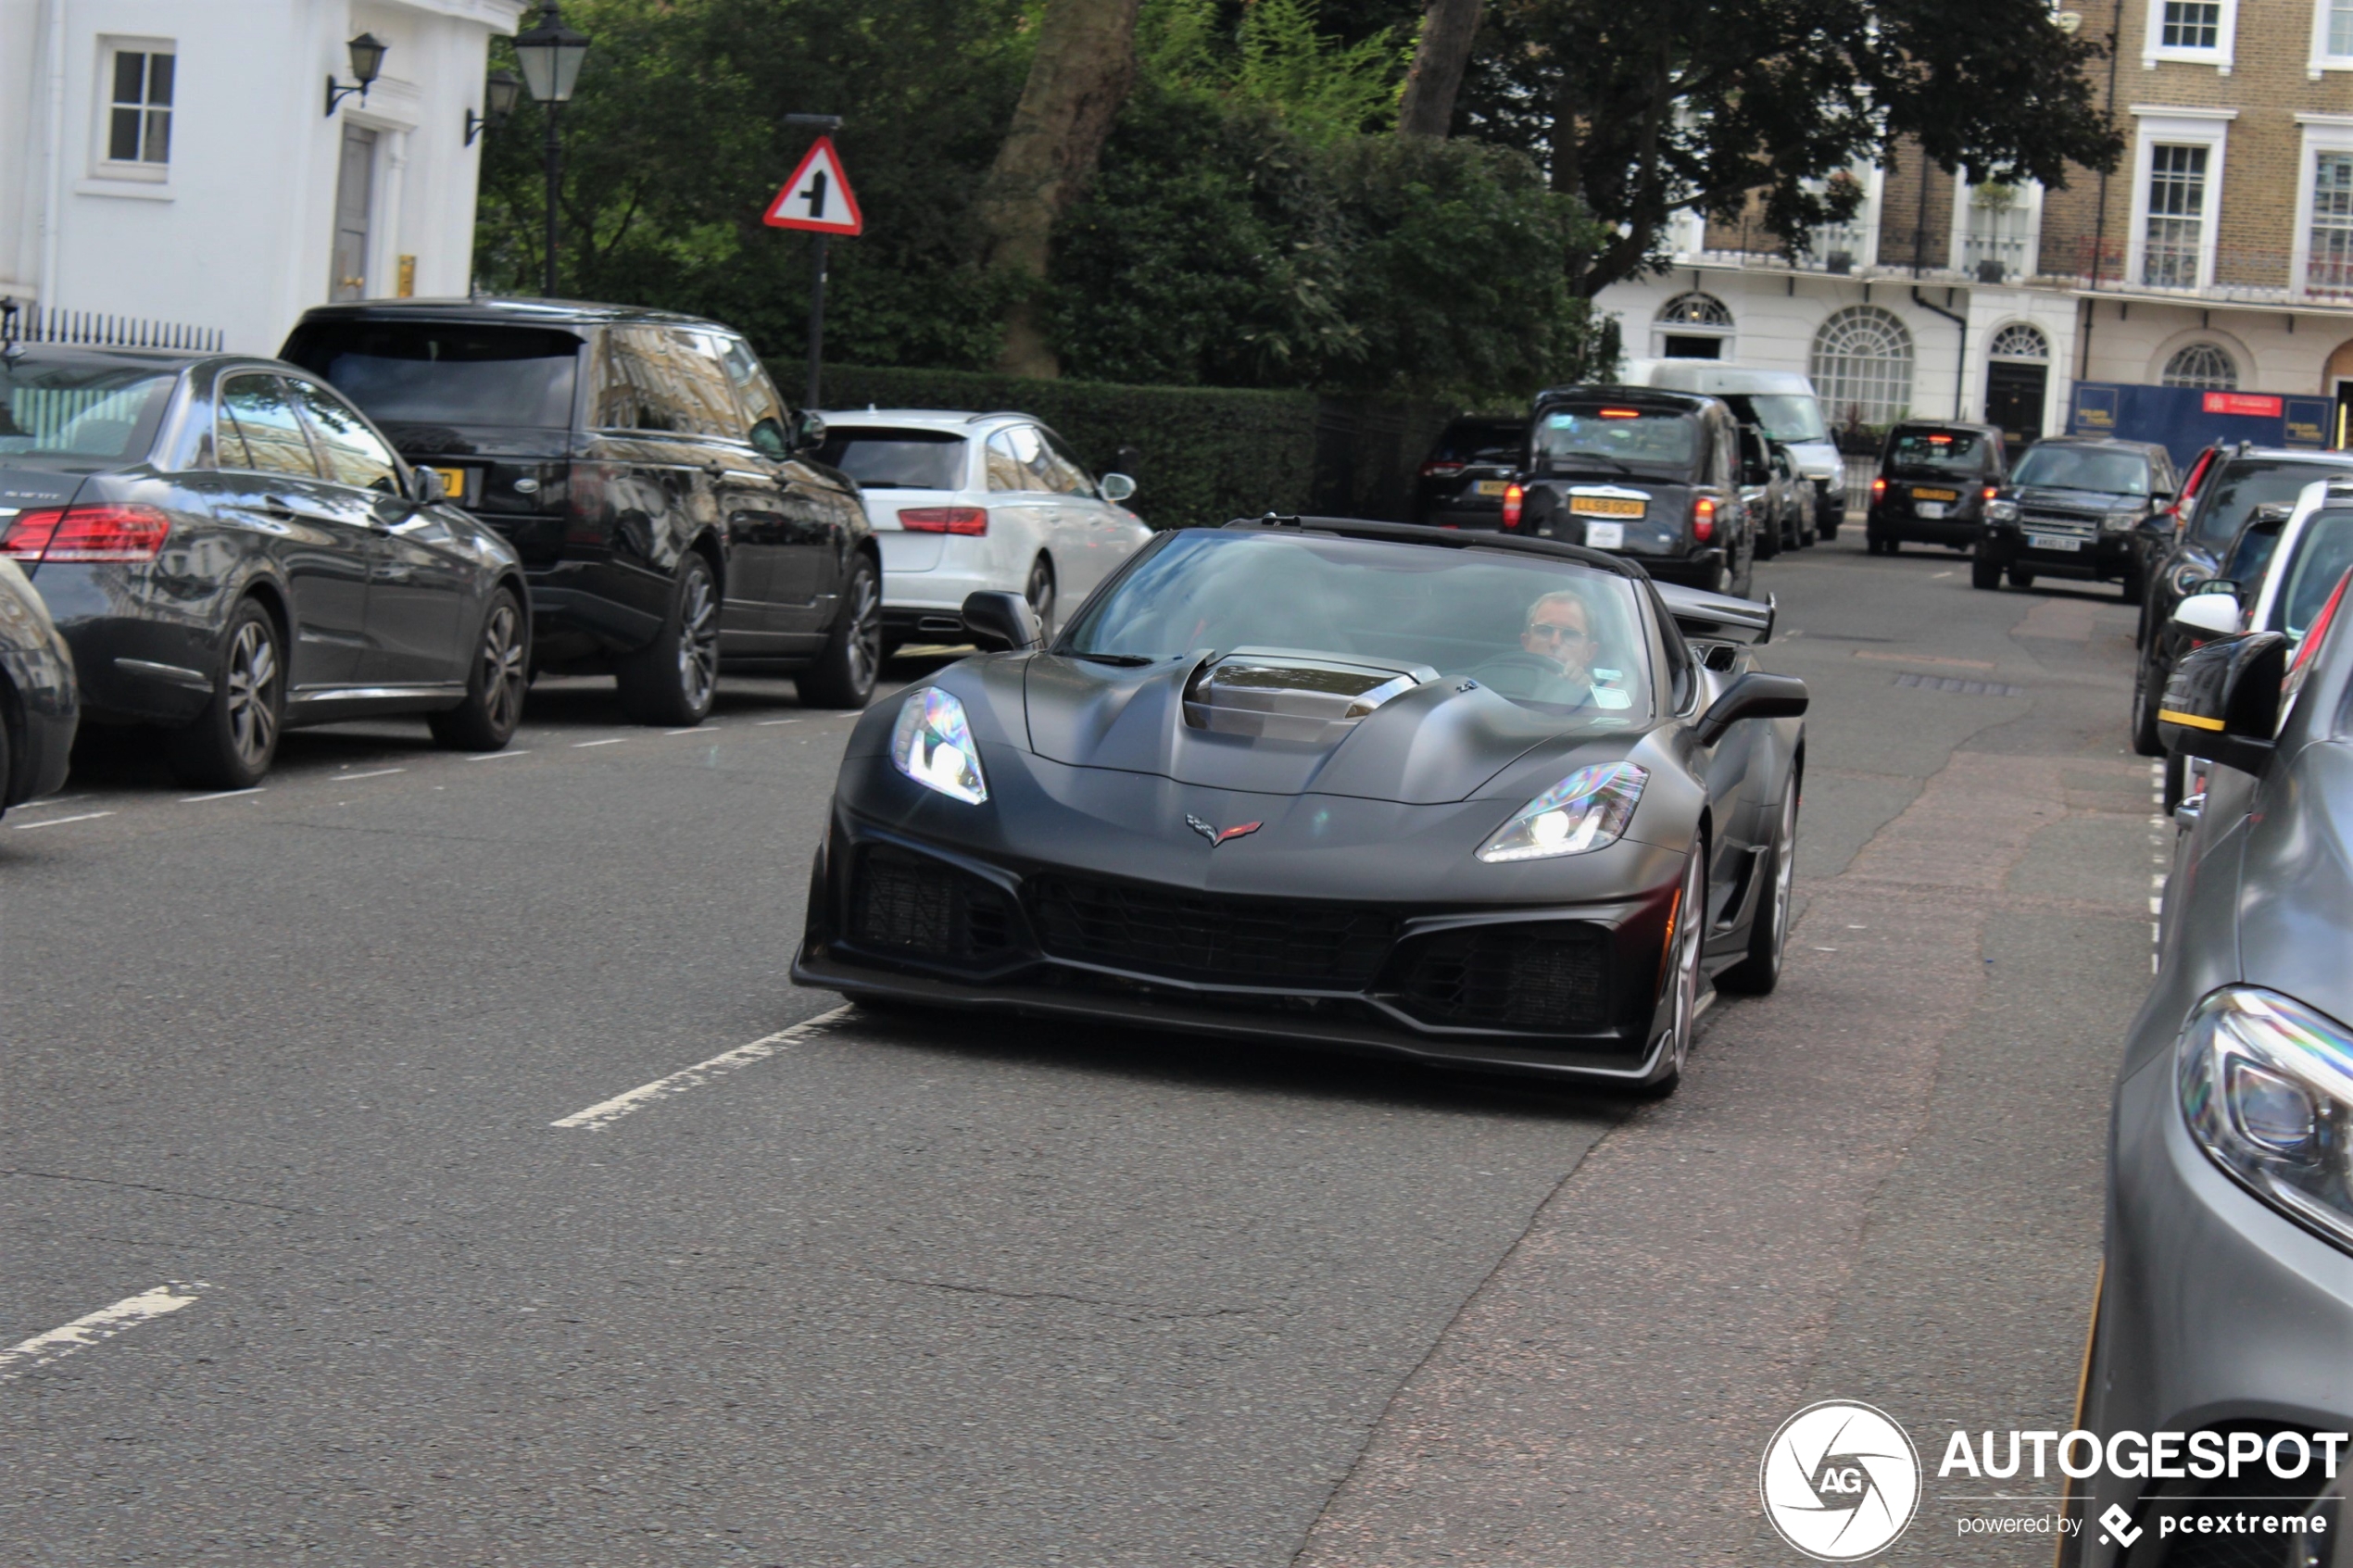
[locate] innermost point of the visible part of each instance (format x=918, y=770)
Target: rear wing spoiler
x=1717, y=617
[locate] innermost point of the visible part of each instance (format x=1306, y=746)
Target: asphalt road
x=280, y=1073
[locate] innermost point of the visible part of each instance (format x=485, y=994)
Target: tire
x=1039, y=591
x=1825, y=532
x=2177, y=780
x=1805, y=532
x=1768, y=928
x=844, y=674
x=2147, y=689
x=233, y=740
x=1768, y=542
x=1689, y=936
x=2135, y=590
x=7, y=767
x=1984, y=571
x=497, y=679
x=2020, y=578
x=674, y=679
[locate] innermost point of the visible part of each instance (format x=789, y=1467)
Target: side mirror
x=2213, y=614
x=428, y=486
x=808, y=431
x=1756, y=474
x=1002, y=620
x=2223, y=701
x=1116, y=487
x=1754, y=695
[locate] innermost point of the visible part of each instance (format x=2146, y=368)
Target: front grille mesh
x=1551, y=978
x=1202, y=936
x=919, y=907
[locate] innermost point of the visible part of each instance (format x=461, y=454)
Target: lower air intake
x=918, y=907
x=1548, y=979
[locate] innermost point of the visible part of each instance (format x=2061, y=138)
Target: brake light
x=1940, y=441
x=1440, y=470
x=592, y=498
x=1703, y=518
x=944, y=519
x=1621, y=413
x=1879, y=488
x=1989, y=493
x=1514, y=496
x=103, y=533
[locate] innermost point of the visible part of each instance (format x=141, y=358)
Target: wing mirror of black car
x=425, y=485
x=808, y=431
x=1000, y=620
x=1754, y=695
x=2223, y=701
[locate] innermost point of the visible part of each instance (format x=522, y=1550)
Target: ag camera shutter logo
x=1840, y=1481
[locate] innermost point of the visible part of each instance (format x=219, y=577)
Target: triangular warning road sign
x=818, y=195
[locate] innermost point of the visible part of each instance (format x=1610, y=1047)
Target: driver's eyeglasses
x=1551, y=633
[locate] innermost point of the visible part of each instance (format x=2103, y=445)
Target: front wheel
x=1769, y=541
x=1039, y=591
x=233, y=741
x=486, y=721
x=2135, y=592
x=674, y=679
x=1769, y=930
x=844, y=674
x=1984, y=571
x=1688, y=926
x=2149, y=685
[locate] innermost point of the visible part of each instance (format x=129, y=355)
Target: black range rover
x=2069, y=509
x=668, y=512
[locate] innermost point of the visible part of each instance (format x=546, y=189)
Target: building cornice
x=2175, y=111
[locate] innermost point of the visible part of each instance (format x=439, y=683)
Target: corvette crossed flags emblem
x=1216, y=835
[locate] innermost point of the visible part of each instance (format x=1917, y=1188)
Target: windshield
x=1936, y=453
x=1650, y=437
x=882, y=458
x=85, y=410
x=2084, y=468
x=2230, y=496
x=1549, y=635
x=2322, y=555
x=1785, y=415
x=445, y=372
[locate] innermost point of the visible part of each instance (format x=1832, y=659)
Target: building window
x=2173, y=238
x=2019, y=341
x=139, y=112
x=2191, y=24
x=2207, y=366
x=1862, y=366
x=1693, y=326
x=2328, y=262
x=2340, y=25
x=2197, y=32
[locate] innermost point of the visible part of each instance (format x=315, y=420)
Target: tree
x=1079, y=75
x=1449, y=27
x=1646, y=109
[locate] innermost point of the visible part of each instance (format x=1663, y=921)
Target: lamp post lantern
x=550, y=54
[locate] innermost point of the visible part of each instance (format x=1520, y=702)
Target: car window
x=1018, y=460
x=664, y=379
x=351, y=453
x=2084, y=468
x=888, y=457
x=257, y=429
x=86, y=410
x=1652, y=438
x=1070, y=475
x=2237, y=488
x=2323, y=555
x=1786, y=416
x=762, y=409
x=1936, y=454
x=448, y=373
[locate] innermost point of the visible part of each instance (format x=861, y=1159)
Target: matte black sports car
x=1458, y=797
x=39, y=708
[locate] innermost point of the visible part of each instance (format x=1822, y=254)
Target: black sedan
x=2071, y=508
x=39, y=708
x=230, y=548
x=1473, y=463
x=1463, y=800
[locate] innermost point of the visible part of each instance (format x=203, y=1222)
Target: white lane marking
x=498, y=756
x=1933, y=576
x=2157, y=906
x=60, y=821
x=104, y=1324
x=378, y=773
x=584, y=745
x=604, y=1112
x=691, y=730
x=766, y=722
x=222, y=795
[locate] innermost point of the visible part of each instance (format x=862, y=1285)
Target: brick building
x=2219, y=255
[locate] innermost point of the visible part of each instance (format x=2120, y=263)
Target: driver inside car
x=1559, y=637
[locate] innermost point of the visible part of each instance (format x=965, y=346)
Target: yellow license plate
x=453, y=482
x=1492, y=486
x=1603, y=505
x=1921, y=494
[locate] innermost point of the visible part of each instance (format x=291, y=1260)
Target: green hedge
x=1202, y=454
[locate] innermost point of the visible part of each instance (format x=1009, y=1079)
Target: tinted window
x=763, y=411
x=1785, y=415
x=2323, y=555
x=2234, y=489
x=2085, y=468
x=1647, y=437
x=444, y=373
x=257, y=429
x=1936, y=453
x=1018, y=460
x=350, y=451
x=78, y=411
x=664, y=379
x=883, y=457
x=1481, y=441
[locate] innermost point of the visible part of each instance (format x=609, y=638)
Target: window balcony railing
x=34, y=324
x=2006, y=253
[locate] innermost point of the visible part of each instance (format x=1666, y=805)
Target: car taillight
x=1989, y=493
x=1879, y=488
x=944, y=519
x=102, y=532
x=590, y=492
x=1513, y=497
x=1440, y=470
x=1703, y=518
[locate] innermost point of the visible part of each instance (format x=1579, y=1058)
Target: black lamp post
x=367, y=64
x=551, y=53
x=498, y=96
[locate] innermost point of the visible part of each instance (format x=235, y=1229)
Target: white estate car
x=966, y=502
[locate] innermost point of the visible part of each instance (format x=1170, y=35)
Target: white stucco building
x=172, y=162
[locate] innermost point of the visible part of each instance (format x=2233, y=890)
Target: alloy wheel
x=1784, y=871
x=503, y=676
x=1691, y=924
x=864, y=648
x=1040, y=596
x=699, y=641
x=253, y=694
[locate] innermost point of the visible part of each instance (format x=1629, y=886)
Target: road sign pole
x=816, y=317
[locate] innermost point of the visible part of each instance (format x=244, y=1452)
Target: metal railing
x=99, y=329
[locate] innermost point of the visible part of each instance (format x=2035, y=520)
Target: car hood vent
x=1271, y=694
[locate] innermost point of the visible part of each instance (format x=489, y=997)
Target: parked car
x=230, y=548
x=668, y=510
x=2069, y=509
x=2226, y=1300
x=38, y=707
x=2158, y=530
x=1654, y=476
x=964, y=503
x=2231, y=485
x=1781, y=404
x=1780, y=500
x=1935, y=479
x=1462, y=480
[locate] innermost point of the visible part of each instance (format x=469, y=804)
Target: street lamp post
x=551, y=53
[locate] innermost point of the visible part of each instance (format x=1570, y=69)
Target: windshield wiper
x=1124, y=661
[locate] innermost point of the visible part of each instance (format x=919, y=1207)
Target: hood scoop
x=1274, y=694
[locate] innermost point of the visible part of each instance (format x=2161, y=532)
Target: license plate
x=453, y=482
x=1937, y=494
x=2052, y=542
x=1493, y=486
x=1927, y=509
x=1605, y=506
x=1605, y=535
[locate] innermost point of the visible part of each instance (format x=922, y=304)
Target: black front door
x=2014, y=398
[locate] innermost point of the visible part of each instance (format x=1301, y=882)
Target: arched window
x=1695, y=310
x=2019, y=341
x=1862, y=366
x=1693, y=326
x=2206, y=365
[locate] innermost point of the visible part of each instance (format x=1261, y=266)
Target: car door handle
x=278, y=505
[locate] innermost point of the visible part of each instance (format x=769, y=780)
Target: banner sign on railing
x=2186, y=419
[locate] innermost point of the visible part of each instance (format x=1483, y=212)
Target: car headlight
x=2001, y=511
x=932, y=744
x=2267, y=1088
x=1586, y=811
x=2117, y=522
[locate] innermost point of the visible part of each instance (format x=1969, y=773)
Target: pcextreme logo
x=1840, y=1481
